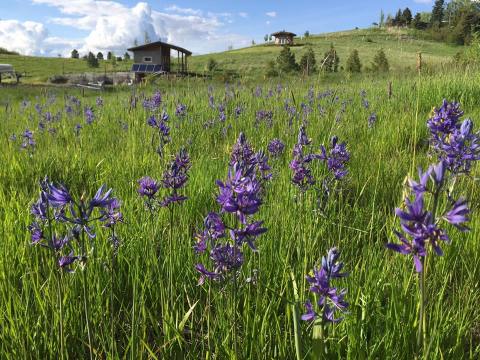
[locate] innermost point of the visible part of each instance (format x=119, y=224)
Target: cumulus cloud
x=25, y=37
x=271, y=14
x=243, y=14
x=112, y=26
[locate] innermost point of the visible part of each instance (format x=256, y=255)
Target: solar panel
x=135, y=67
x=142, y=68
x=157, y=68
x=149, y=68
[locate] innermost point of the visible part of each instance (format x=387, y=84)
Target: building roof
x=158, y=44
x=6, y=68
x=284, y=33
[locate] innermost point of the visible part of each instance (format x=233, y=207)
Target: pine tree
x=99, y=56
x=286, y=60
x=437, y=13
x=353, y=62
x=75, y=54
x=271, y=70
x=308, y=63
x=382, y=19
x=92, y=60
x=330, y=60
x=127, y=56
x=109, y=55
x=407, y=16
x=380, y=62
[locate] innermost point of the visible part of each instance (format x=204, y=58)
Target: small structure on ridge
x=284, y=37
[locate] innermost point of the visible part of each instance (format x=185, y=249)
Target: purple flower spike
x=458, y=215
x=148, y=187
x=58, y=196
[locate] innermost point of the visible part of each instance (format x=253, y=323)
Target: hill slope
x=400, y=46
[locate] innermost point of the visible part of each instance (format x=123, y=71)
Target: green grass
x=158, y=311
x=401, y=48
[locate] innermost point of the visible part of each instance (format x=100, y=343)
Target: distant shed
x=155, y=57
x=7, y=69
x=284, y=37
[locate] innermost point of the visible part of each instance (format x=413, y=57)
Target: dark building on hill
x=156, y=57
x=284, y=37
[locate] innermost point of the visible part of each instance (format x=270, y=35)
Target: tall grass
x=157, y=309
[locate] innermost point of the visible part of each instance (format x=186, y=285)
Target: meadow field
x=134, y=291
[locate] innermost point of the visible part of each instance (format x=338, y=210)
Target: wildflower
x=89, y=115
x=148, y=187
x=372, y=119
x=99, y=101
x=181, y=110
x=276, y=147
x=329, y=299
x=336, y=158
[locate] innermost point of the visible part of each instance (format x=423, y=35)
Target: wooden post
x=419, y=62
x=178, y=60
x=186, y=65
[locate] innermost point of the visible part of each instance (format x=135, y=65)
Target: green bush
x=353, y=62
x=380, y=62
x=308, y=63
x=286, y=61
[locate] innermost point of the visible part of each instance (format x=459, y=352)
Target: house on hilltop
x=284, y=37
x=155, y=58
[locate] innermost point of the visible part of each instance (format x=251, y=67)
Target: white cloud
x=271, y=14
x=112, y=26
x=25, y=37
x=243, y=14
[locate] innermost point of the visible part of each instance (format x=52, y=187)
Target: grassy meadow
x=143, y=300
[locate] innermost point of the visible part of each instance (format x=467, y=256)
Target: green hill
x=401, y=47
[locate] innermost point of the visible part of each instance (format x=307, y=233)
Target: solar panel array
x=146, y=68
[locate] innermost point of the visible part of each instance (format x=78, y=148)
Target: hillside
x=401, y=47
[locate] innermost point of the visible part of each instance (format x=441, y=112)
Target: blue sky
x=52, y=27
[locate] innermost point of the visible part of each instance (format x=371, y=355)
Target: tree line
x=456, y=21
x=286, y=63
x=94, y=60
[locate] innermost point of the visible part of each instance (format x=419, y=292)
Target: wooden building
x=284, y=37
x=156, y=57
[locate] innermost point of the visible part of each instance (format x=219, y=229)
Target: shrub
x=212, y=64
x=353, y=62
x=330, y=60
x=58, y=79
x=271, y=70
x=286, y=61
x=380, y=62
x=92, y=61
x=308, y=63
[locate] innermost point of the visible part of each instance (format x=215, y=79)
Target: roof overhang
x=160, y=44
x=6, y=68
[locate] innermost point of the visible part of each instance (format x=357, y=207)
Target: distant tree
x=253, y=42
x=99, y=56
x=265, y=38
x=330, y=60
x=389, y=21
x=380, y=62
x=437, y=13
x=407, y=16
x=92, y=61
x=126, y=56
x=75, y=54
x=270, y=38
x=135, y=42
x=353, y=62
x=308, y=63
x=85, y=57
x=418, y=23
x=271, y=70
x=109, y=55
x=119, y=58
x=398, y=20
x=212, y=64
x=230, y=47
x=382, y=19
x=307, y=34
x=286, y=61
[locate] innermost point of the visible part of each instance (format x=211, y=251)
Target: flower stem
x=85, y=306
x=60, y=304
x=422, y=328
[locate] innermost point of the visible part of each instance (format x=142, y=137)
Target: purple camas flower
x=56, y=206
x=89, y=115
x=445, y=119
x=264, y=115
x=372, y=119
x=153, y=103
x=175, y=178
x=329, y=299
x=276, y=147
x=148, y=187
x=421, y=227
x=336, y=158
x=248, y=161
x=77, y=129
x=99, y=101
x=181, y=110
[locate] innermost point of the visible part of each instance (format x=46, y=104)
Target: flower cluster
x=336, y=158
x=28, y=140
x=163, y=131
x=301, y=162
x=421, y=227
x=248, y=161
x=455, y=143
x=153, y=103
x=240, y=197
x=174, y=178
x=328, y=298
x=56, y=211
x=181, y=110
x=276, y=147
